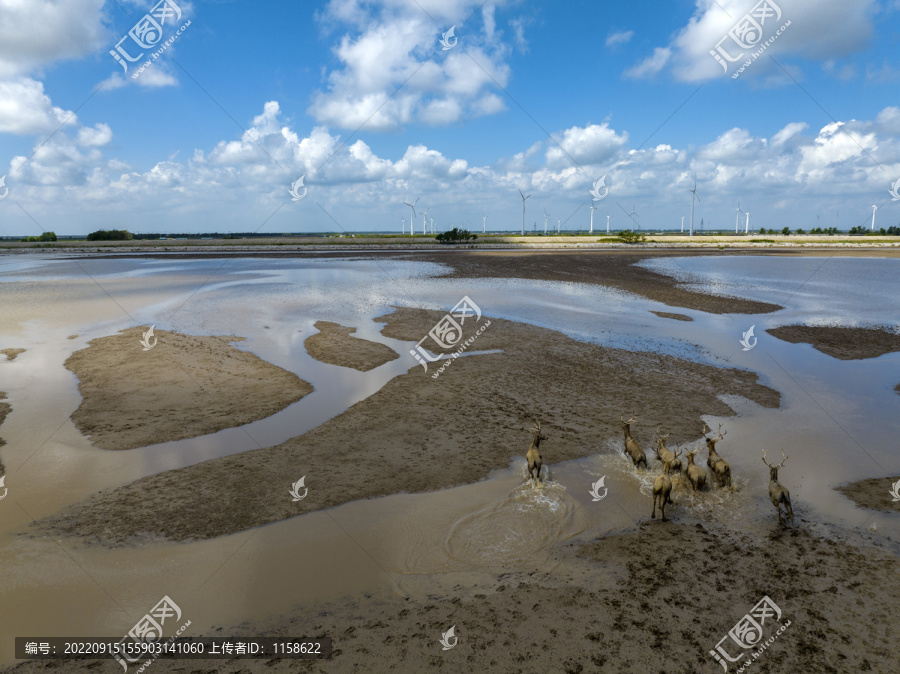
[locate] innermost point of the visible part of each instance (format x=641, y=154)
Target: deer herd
x=662, y=485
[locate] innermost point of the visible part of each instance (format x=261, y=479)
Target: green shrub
x=110, y=235
x=455, y=235
x=631, y=237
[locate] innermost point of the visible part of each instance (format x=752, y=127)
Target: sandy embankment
x=12, y=353
x=476, y=413
x=334, y=344
x=669, y=314
x=843, y=343
x=874, y=493
x=183, y=387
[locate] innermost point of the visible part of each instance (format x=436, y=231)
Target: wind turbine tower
x=874, y=208
x=557, y=225
x=747, y=226
x=607, y=223
x=693, y=194
x=483, y=223
x=737, y=217
x=592, y=216
x=682, y=224
x=412, y=218
x=424, y=221
x=403, y=225
x=632, y=214
x=523, y=210
x=546, y=216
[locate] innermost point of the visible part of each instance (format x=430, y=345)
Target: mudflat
x=335, y=344
x=182, y=387
x=476, y=412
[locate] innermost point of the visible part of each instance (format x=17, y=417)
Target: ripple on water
x=527, y=520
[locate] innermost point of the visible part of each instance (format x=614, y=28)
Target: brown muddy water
x=836, y=417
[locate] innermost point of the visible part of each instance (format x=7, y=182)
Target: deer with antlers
x=716, y=463
x=695, y=473
x=632, y=448
x=778, y=493
x=673, y=465
x=670, y=461
x=662, y=493
x=535, y=461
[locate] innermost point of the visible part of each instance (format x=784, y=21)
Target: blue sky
x=361, y=99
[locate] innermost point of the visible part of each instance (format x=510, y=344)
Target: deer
x=695, y=473
x=662, y=492
x=778, y=493
x=632, y=448
x=717, y=464
x=673, y=464
x=535, y=461
x=665, y=456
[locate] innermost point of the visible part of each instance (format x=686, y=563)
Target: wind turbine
x=546, y=216
x=483, y=223
x=432, y=225
x=403, y=225
x=424, y=221
x=874, y=208
x=607, y=223
x=682, y=224
x=747, y=226
x=631, y=215
x=412, y=218
x=523, y=210
x=557, y=225
x=693, y=194
x=592, y=217
x=737, y=217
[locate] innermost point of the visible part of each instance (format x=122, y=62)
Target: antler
x=661, y=437
x=677, y=451
x=721, y=434
x=622, y=419
x=706, y=429
x=537, y=425
x=784, y=458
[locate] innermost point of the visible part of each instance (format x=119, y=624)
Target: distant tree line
x=46, y=236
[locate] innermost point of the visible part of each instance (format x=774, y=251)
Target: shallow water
x=834, y=421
